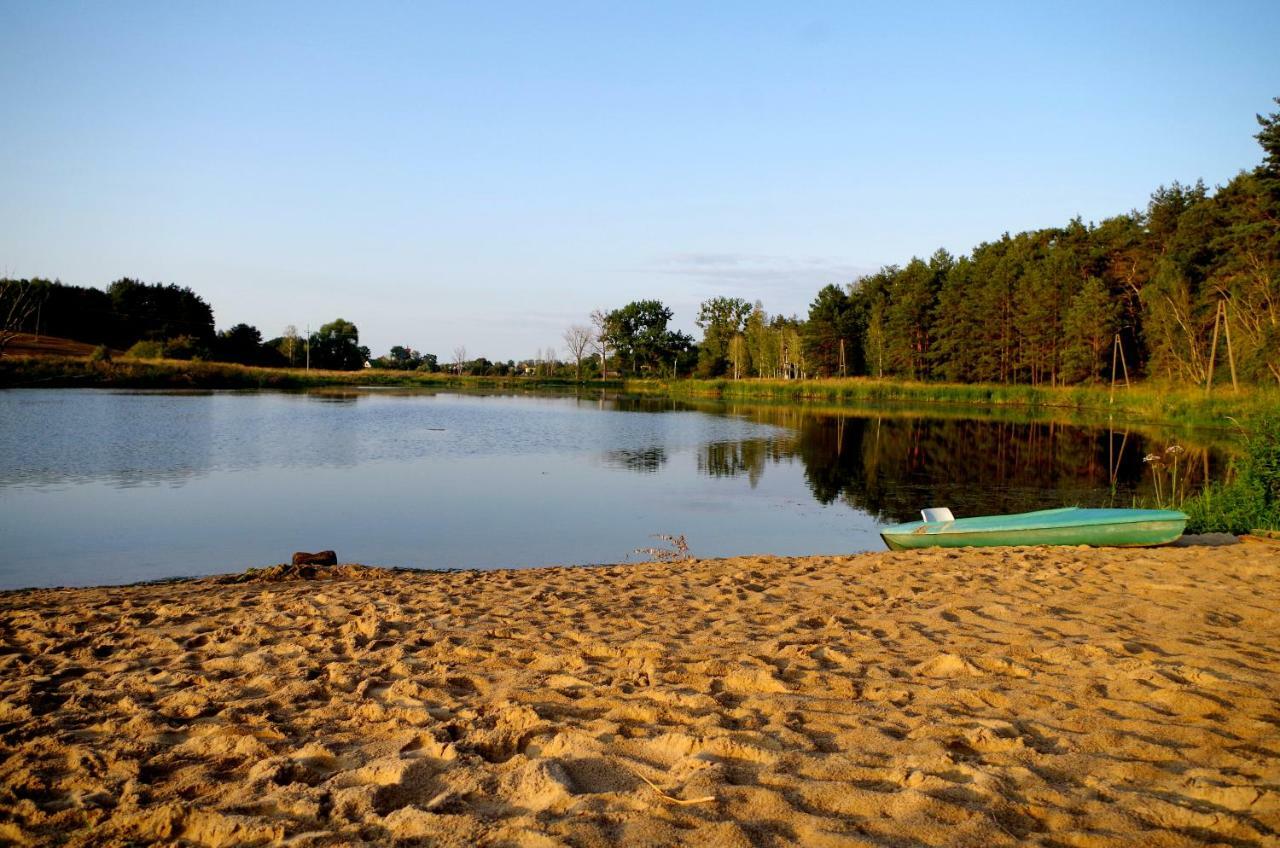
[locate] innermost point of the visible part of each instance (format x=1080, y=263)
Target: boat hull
x=1108, y=528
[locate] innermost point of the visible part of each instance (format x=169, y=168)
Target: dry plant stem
x=678, y=552
x=664, y=796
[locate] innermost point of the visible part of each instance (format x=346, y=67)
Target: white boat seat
x=939, y=513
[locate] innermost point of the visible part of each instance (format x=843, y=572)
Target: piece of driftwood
x=682, y=801
x=319, y=558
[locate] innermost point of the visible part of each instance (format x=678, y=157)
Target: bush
x=145, y=350
x=101, y=353
x=184, y=347
x=1251, y=500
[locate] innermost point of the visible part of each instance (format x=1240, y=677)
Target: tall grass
x=50, y=371
x=1149, y=403
x=1250, y=499
x=1145, y=402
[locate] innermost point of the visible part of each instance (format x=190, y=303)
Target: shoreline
x=1146, y=403
x=255, y=574
x=1003, y=696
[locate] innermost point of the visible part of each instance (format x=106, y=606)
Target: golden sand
x=982, y=697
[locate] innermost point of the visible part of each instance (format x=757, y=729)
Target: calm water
x=110, y=487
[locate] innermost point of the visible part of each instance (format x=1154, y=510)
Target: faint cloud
x=758, y=275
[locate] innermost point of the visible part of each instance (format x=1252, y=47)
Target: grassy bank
x=1148, y=403
x=1250, y=498
x=51, y=372
x=1145, y=403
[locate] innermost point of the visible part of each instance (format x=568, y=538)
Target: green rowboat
x=1067, y=526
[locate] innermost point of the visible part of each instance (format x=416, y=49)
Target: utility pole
x=1117, y=352
x=1231, y=357
x=1220, y=320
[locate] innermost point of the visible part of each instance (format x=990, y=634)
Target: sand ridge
x=982, y=697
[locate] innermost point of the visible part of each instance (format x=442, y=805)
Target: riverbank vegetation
x=1250, y=498
x=1151, y=403
x=1154, y=402
x=103, y=371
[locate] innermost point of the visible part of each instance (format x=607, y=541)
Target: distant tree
x=721, y=319
x=638, y=332
x=762, y=345
x=19, y=300
x=1269, y=137
x=401, y=358
x=1245, y=273
x=547, y=361
x=600, y=339
x=795, y=364
x=459, y=358
x=831, y=336
x=80, y=313
x=910, y=313
x=336, y=346
x=959, y=326
x=1178, y=310
x=872, y=293
x=738, y=355
x=1089, y=328
x=159, y=311
x=291, y=345
x=242, y=343
x=577, y=339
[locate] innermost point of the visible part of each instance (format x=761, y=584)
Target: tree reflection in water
x=892, y=466
x=646, y=460
x=749, y=457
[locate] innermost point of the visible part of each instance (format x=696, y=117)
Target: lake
x=102, y=487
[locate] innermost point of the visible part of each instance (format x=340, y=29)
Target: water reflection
x=749, y=457
x=99, y=487
x=887, y=464
x=645, y=460
x=890, y=467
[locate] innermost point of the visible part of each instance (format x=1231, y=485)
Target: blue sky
x=486, y=174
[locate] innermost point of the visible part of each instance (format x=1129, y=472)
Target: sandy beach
x=1056, y=697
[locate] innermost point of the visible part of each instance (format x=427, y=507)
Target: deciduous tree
x=577, y=339
x=336, y=346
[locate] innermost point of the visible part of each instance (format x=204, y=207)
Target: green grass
x=1250, y=499
x=1146, y=402
x=50, y=371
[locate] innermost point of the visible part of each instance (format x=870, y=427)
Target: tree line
x=1191, y=281
x=153, y=320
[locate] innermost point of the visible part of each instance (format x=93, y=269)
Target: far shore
x=1000, y=696
x=1150, y=402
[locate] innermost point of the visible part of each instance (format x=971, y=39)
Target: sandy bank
x=999, y=697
